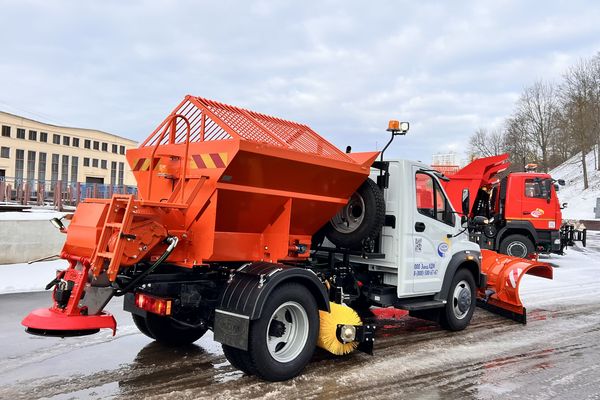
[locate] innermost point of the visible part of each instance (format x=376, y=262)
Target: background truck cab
x=523, y=208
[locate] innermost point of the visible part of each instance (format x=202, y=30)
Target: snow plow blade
x=52, y=322
x=504, y=274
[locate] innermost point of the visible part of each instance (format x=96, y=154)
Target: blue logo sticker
x=442, y=249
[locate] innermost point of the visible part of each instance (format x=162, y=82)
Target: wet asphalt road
x=556, y=355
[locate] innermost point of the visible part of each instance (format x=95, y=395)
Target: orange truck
x=523, y=208
x=260, y=230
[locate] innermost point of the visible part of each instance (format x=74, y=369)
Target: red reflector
x=153, y=304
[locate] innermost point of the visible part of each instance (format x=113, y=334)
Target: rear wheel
x=140, y=323
x=166, y=331
x=238, y=359
x=460, y=303
x=282, y=341
x=517, y=246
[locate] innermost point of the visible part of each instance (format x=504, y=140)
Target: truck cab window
x=535, y=188
x=431, y=201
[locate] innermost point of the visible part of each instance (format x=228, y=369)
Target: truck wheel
x=283, y=340
x=460, y=303
x=517, y=246
x=362, y=217
x=140, y=323
x=238, y=359
x=166, y=331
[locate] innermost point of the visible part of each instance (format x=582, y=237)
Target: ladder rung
x=114, y=225
x=106, y=255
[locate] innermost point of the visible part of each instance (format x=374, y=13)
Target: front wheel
x=460, y=303
x=282, y=341
x=517, y=246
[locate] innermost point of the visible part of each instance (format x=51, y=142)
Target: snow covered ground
x=18, y=278
x=34, y=214
x=581, y=202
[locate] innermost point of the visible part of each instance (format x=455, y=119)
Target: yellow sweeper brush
x=328, y=335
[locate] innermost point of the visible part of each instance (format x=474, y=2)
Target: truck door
x=535, y=205
x=433, y=219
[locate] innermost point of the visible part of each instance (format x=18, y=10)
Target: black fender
x=517, y=226
x=247, y=292
x=468, y=259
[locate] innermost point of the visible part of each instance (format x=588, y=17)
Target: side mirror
x=465, y=202
x=556, y=187
x=561, y=182
x=564, y=205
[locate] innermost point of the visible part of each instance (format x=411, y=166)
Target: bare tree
x=537, y=112
x=578, y=109
x=520, y=149
x=486, y=143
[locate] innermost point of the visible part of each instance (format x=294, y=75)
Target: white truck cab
x=426, y=234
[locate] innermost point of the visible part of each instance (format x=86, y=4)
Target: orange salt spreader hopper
x=221, y=184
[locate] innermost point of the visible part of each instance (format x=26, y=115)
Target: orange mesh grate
x=211, y=120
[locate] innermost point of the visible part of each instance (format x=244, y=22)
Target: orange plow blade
x=504, y=274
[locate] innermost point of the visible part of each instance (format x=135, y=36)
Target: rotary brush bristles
x=340, y=314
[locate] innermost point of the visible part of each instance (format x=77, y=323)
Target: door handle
x=526, y=212
x=419, y=227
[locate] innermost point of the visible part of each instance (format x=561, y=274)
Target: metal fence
x=57, y=193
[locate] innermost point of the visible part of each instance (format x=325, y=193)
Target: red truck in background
x=523, y=208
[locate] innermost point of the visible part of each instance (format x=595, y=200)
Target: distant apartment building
x=32, y=151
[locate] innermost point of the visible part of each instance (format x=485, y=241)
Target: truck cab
x=523, y=208
x=426, y=235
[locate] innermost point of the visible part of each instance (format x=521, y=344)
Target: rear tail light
x=155, y=305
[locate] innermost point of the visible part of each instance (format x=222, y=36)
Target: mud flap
x=504, y=273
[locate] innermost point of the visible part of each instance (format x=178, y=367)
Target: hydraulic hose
x=173, y=241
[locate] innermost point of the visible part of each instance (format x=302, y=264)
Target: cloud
x=340, y=66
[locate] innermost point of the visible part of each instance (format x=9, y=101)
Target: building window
x=30, y=166
x=44, y=137
x=42, y=168
x=96, y=145
x=95, y=162
x=113, y=173
x=19, y=164
x=103, y=164
x=66, y=140
x=56, y=139
x=115, y=148
x=75, y=142
x=121, y=173
x=122, y=150
x=74, y=168
x=65, y=169
x=87, y=144
x=55, y=164
x=32, y=135
x=5, y=152
x=6, y=131
x=86, y=162
x=20, y=133
x=104, y=146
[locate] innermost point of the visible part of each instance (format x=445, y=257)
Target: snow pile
x=581, y=202
x=35, y=214
x=18, y=278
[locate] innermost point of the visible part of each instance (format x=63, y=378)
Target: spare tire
x=361, y=218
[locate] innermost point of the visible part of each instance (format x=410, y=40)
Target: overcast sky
x=342, y=67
